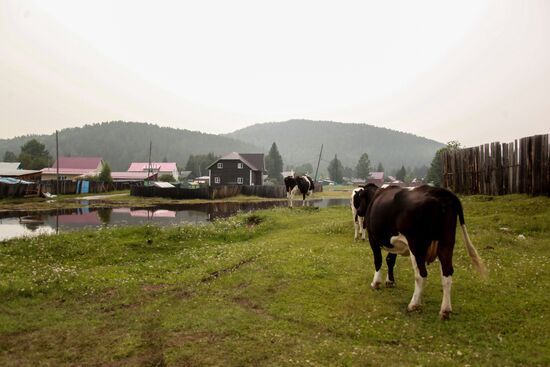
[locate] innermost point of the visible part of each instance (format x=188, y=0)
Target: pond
x=28, y=223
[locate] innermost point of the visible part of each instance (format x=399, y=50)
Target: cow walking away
x=359, y=220
x=299, y=184
x=419, y=222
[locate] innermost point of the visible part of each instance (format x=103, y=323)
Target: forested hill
x=299, y=142
x=121, y=143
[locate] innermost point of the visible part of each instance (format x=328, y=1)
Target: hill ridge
x=298, y=140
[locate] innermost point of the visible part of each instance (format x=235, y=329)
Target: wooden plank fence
x=70, y=187
x=65, y=187
x=522, y=166
x=213, y=192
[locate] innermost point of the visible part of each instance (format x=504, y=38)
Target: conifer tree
x=274, y=164
x=335, y=170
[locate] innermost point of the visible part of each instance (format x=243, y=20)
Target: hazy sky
x=473, y=71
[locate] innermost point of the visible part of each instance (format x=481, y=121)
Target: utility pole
x=57, y=162
x=319, y=161
x=149, y=168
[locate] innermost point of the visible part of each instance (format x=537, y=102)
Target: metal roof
x=17, y=172
x=9, y=165
x=160, y=166
x=89, y=163
x=255, y=161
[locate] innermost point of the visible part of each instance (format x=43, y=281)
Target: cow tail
x=474, y=256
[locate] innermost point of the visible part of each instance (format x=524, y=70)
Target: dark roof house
x=237, y=169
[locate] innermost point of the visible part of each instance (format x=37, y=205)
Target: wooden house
x=237, y=169
x=11, y=169
x=376, y=178
x=73, y=167
x=162, y=168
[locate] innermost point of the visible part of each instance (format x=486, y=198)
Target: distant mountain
x=121, y=143
x=299, y=142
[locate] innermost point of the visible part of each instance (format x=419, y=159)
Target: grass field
x=279, y=287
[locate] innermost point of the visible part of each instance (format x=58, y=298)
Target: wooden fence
x=522, y=166
x=213, y=192
x=71, y=187
x=171, y=192
x=65, y=187
x=18, y=190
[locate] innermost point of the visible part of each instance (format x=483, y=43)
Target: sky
x=472, y=71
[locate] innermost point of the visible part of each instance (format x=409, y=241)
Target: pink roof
x=87, y=163
x=160, y=166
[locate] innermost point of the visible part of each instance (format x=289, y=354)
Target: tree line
x=33, y=155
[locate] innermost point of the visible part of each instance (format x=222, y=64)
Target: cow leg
x=377, y=252
x=291, y=195
x=355, y=226
x=446, y=282
x=289, y=198
x=420, y=274
x=390, y=261
x=445, y=255
x=362, y=226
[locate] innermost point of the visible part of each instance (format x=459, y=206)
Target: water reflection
x=18, y=224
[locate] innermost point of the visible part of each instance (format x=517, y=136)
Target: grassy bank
x=278, y=287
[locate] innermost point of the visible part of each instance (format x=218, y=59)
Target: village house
x=11, y=169
x=237, y=169
x=161, y=168
x=73, y=167
x=376, y=178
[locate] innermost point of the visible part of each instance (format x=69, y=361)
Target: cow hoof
x=445, y=315
x=412, y=308
x=390, y=284
x=375, y=285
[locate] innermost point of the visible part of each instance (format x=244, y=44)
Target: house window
x=239, y=180
x=239, y=165
x=217, y=180
x=220, y=165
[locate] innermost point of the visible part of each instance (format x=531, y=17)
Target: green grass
x=279, y=287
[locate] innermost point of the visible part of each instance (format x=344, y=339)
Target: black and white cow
x=419, y=222
x=359, y=220
x=302, y=184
